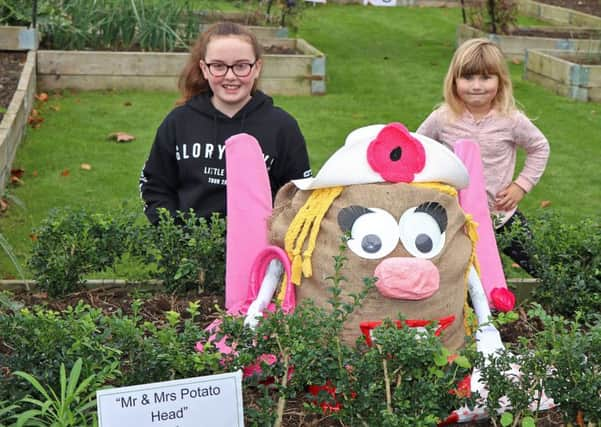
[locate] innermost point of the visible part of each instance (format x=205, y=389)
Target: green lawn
x=383, y=65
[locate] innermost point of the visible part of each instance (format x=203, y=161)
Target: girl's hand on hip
x=509, y=198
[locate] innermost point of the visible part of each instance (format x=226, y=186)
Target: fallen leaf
x=41, y=295
x=86, y=166
x=545, y=203
x=55, y=107
x=17, y=172
x=42, y=97
x=127, y=103
x=16, y=181
x=515, y=265
x=34, y=173
x=516, y=61
x=121, y=137
x=34, y=118
x=3, y=205
x=33, y=237
x=65, y=172
x=16, y=175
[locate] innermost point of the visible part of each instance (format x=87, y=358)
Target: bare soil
x=556, y=34
x=11, y=65
x=592, y=7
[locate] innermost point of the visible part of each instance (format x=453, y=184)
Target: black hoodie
x=186, y=165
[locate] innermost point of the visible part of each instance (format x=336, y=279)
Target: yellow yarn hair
x=307, y=220
x=443, y=188
x=471, y=226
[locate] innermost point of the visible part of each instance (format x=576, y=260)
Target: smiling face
x=478, y=91
x=410, y=237
x=230, y=91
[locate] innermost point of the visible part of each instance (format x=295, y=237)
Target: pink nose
x=407, y=278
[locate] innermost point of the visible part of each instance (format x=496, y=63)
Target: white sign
x=212, y=401
x=380, y=2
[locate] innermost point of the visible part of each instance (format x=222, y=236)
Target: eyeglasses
x=240, y=69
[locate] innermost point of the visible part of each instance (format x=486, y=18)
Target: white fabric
x=349, y=166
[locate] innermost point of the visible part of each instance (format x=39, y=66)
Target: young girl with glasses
x=479, y=105
x=186, y=166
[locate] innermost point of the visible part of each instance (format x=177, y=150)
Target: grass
x=383, y=65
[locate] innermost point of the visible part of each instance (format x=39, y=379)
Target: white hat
x=388, y=153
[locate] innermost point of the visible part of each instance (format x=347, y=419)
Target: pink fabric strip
x=249, y=206
x=473, y=201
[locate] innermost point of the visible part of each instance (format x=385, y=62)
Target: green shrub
x=40, y=340
x=573, y=354
x=566, y=258
x=15, y=12
x=158, y=25
x=70, y=243
x=151, y=353
x=561, y=358
x=404, y=379
x=122, y=349
x=189, y=251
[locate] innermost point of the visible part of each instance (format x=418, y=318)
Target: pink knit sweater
x=499, y=136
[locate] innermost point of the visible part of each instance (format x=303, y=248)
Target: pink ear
x=249, y=206
x=473, y=200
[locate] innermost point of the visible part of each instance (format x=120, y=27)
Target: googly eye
x=422, y=230
x=374, y=233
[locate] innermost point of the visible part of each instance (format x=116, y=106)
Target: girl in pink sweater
x=479, y=105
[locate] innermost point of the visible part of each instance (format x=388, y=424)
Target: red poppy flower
x=463, y=387
x=502, y=299
x=395, y=154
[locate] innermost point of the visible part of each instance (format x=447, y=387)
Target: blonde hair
x=478, y=56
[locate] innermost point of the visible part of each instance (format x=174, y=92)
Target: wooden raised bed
x=558, y=15
x=575, y=75
x=515, y=46
x=283, y=74
x=14, y=121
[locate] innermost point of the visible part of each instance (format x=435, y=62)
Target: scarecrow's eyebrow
x=347, y=216
x=436, y=211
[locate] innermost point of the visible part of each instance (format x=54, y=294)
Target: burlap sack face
x=452, y=262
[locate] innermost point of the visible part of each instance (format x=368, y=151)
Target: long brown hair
x=191, y=80
x=478, y=56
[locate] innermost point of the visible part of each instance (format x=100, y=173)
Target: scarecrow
x=395, y=195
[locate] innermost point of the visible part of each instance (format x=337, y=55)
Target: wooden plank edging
x=557, y=14
x=283, y=74
x=14, y=122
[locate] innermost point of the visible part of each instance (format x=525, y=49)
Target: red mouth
x=443, y=323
